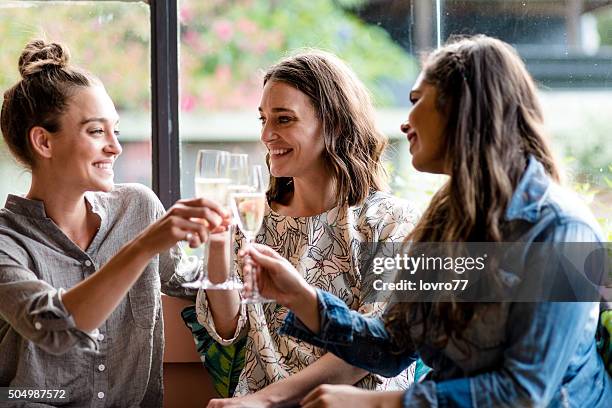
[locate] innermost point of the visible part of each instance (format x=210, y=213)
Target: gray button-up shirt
x=120, y=363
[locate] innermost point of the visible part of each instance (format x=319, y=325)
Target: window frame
x=165, y=140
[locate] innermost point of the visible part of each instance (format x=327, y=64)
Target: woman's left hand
x=342, y=396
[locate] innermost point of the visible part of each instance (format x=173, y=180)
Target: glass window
x=110, y=39
x=226, y=46
x=567, y=46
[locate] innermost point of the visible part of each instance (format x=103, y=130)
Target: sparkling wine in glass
x=238, y=173
x=249, y=207
x=211, y=182
x=249, y=210
x=239, y=181
x=216, y=190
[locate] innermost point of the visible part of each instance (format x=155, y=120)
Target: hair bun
x=38, y=56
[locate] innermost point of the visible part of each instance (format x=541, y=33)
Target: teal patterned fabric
x=421, y=370
x=224, y=363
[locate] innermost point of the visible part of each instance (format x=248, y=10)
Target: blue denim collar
x=530, y=194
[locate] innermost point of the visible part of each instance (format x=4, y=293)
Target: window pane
x=226, y=46
x=110, y=39
x=567, y=46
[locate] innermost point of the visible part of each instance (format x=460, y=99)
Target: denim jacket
x=532, y=354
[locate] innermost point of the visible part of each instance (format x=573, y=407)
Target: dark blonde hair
x=494, y=124
x=40, y=97
x=353, y=144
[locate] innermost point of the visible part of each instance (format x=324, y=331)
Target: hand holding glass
x=249, y=207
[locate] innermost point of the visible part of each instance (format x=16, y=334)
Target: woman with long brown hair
x=475, y=118
x=326, y=197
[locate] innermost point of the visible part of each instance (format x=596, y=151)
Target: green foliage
x=587, y=142
x=111, y=39
x=608, y=179
x=604, y=25
x=226, y=45
x=419, y=187
x=606, y=224
x=581, y=134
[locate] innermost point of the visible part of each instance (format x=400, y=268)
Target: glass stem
x=254, y=287
x=231, y=274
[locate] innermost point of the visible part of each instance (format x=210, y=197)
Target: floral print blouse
x=325, y=248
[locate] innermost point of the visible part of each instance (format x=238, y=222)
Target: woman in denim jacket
x=476, y=118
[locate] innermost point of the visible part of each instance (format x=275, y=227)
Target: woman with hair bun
x=82, y=259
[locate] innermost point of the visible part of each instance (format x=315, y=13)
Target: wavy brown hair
x=353, y=144
x=494, y=124
x=41, y=96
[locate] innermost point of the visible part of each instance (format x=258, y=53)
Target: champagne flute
x=249, y=207
x=211, y=182
x=239, y=181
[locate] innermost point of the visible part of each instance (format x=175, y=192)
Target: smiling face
x=86, y=146
x=425, y=129
x=291, y=131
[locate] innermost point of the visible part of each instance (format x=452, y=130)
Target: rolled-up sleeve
x=335, y=319
x=205, y=318
x=35, y=310
x=204, y=313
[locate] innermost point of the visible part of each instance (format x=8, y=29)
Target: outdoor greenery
x=225, y=46
x=604, y=25
x=110, y=39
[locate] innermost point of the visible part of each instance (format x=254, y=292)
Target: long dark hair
x=494, y=124
x=353, y=143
